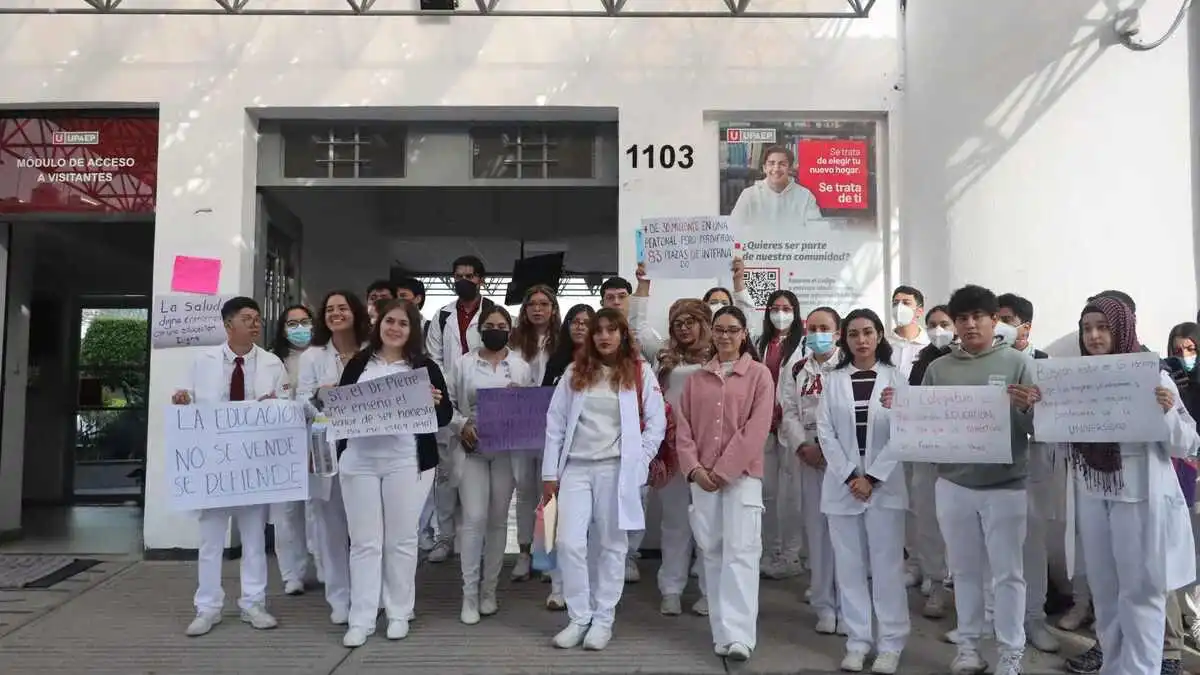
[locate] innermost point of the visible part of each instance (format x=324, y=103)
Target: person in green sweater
x=982, y=508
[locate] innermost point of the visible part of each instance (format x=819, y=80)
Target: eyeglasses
x=730, y=332
x=684, y=323
x=248, y=321
x=580, y=323
x=304, y=323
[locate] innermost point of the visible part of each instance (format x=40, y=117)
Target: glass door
x=112, y=368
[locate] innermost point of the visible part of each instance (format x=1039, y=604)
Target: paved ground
x=127, y=618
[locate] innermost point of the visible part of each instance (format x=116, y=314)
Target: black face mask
x=466, y=289
x=495, y=340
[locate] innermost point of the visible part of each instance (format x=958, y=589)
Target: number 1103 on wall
x=660, y=156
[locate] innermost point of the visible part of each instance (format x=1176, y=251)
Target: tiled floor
x=82, y=531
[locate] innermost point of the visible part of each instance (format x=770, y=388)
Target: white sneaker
x=426, y=542
x=737, y=652
x=1009, y=663
x=1038, y=635
x=827, y=625
x=912, y=577
x=523, y=567
x=935, y=603
x=441, y=551
x=397, y=629
x=339, y=617
x=470, y=610
x=203, y=623
x=1077, y=617
x=886, y=663
x=854, y=661
x=632, y=573
x=293, y=587
x=355, y=637
x=769, y=565
x=571, y=636
x=926, y=586
x=258, y=618
x=721, y=650
x=967, y=662
x=487, y=603
x=555, y=602
x=670, y=605
x=841, y=628
x=808, y=595
x=701, y=607
x=597, y=638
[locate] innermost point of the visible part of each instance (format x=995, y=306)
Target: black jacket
x=427, y=448
x=926, y=356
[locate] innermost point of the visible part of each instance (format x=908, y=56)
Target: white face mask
x=1005, y=334
x=782, y=320
x=903, y=315
x=716, y=306
x=940, y=337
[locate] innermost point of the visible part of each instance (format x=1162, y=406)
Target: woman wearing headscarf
x=1132, y=519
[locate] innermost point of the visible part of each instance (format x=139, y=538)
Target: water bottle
x=322, y=451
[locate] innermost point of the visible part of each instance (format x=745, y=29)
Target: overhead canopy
x=763, y=9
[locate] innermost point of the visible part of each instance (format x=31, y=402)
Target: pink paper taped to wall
x=196, y=275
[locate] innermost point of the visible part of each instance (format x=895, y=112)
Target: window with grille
x=572, y=290
x=279, y=283
x=534, y=152
x=343, y=150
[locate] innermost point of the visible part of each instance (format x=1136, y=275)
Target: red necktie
x=237, y=383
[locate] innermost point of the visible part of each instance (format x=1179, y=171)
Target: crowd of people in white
x=768, y=445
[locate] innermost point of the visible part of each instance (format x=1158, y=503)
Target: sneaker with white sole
x=854, y=661
x=258, y=617
x=1039, y=635
x=487, y=602
x=935, y=603
x=700, y=607
x=841, y=628
x=826, y=625
x=523, y=568
x=339, y=617
x=926, y=586
x=670, y=605
x=293, y=587
x=886, y=663
x=355, y=637
x=721, y=650
x=1077, y=617
x=632, y=573
x=967, y=662
x=441, y=551
x=1009, y=663
x=470, y=610
x=203, y=623
x=571, y=636
x=555, y=602
x=912, y=577
x=397, y=629
x=597, y=638
x=769, y=566
x=737, y=652
x=808, y=596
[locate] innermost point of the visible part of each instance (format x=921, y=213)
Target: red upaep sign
x=835, y=171
x=78, y=164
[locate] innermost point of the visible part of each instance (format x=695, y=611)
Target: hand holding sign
x=1165, y=398
x=1024, y=396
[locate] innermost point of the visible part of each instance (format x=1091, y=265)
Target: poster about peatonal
x=802, y=199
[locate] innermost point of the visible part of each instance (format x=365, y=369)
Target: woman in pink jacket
x=722, y=423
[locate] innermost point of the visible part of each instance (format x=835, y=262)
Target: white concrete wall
x=663, y=75
x=19, y=259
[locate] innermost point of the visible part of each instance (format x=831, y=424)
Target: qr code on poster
x=761, y=282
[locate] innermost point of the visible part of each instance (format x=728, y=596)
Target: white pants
x=782, y=528
x=382, y=512
x=333, y=542
x=1131, y=614
x=587, y=507
x=636, y=536
x=821, y=565
x=1189, y=596
x=486, y=492
x=728, y=529
x=527, y=476
x=214, y=526
x=1036, y=557
x=291, y=540
x=676, y=538
x=986, y=527
x=923, y=537
x=445, y=495
x=872, y=542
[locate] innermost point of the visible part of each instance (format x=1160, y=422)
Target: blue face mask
x=300, y=336
x=1189, y=363
x=819, y=343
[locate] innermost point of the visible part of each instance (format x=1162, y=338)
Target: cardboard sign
x=1099, y=399
x=952, y=425
x=187, y=321
x=512, y=418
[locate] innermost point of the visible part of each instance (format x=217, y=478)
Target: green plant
x=112, y=341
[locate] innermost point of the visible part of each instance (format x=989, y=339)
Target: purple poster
x=512, y=419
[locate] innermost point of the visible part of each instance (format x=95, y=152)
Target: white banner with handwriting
x=1099, y=399
x=401, y=403
x=952, y=425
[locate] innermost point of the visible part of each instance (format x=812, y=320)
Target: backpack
x=665, y=463
x=444, y=314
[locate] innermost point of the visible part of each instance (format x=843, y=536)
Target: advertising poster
x=802, y=197
x=59, y=164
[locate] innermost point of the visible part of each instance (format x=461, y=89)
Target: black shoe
x=1172, y=667
x=1087, y=663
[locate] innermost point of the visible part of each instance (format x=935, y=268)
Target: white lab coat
x=836, y=431
x=206, y=383
x=443, y=344
x=638, y=447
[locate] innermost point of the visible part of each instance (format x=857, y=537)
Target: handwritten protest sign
x=1099, y=399
x=236, y=454
x=952, y=425
x=187, y=321
x=401, y=403
x=512, y=418
x=686, y=248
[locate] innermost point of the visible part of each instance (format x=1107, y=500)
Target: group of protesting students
x=767, y=443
